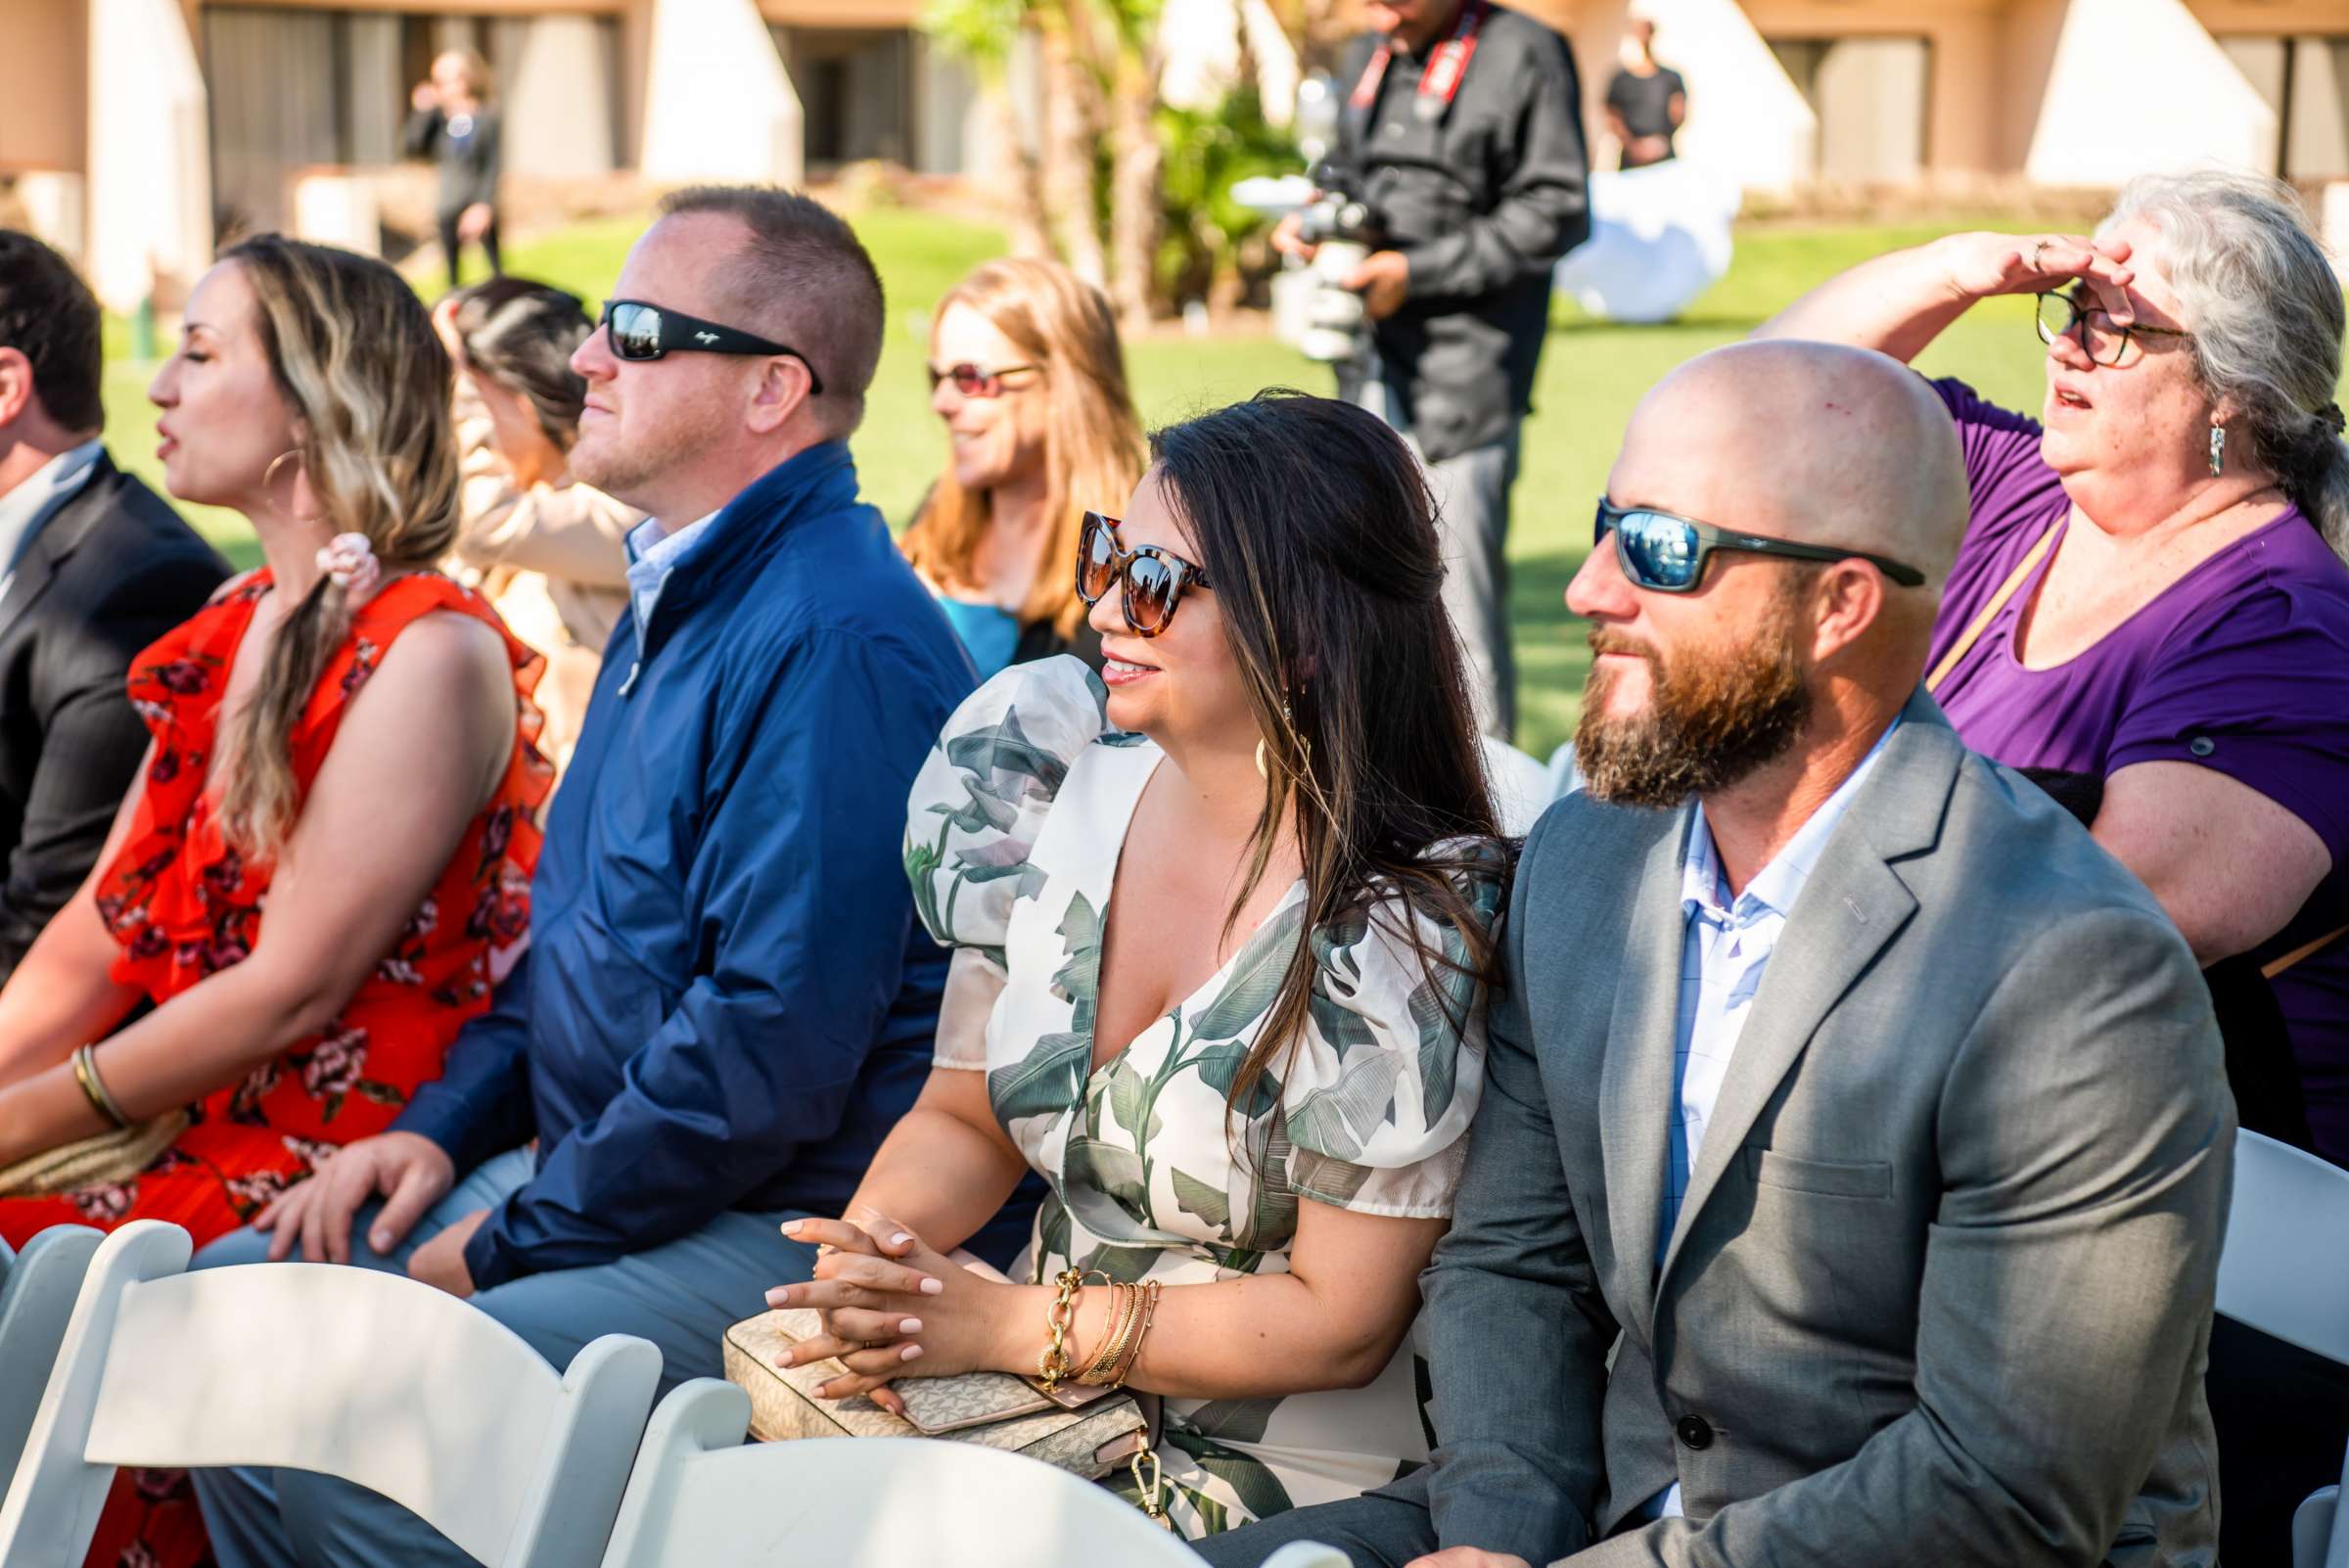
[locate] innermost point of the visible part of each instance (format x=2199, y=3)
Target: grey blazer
x=1940, y=1289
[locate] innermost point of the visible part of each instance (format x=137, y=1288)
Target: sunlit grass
x=1592, y=376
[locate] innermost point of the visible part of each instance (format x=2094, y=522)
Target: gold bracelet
x=93, y=1087
x=1133, y=1352
x=1125, y=1311
x=1053, y=1364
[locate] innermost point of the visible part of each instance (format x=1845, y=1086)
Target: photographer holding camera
x=1459, y=158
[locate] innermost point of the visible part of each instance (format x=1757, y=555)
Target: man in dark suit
x=1855, y=1147
x=93, y=568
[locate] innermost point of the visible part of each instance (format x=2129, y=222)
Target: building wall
x=1965, y=91
x=44, y=125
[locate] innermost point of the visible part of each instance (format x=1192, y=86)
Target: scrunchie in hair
x=349, y=560
x=2333, y=420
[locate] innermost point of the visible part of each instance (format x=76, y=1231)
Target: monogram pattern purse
x=1103, y=1431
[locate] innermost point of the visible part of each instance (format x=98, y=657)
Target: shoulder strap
x=2307, y=949
x=1989, y=612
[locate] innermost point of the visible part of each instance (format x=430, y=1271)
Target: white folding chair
x=36, y=1296
x=699, y=1496
x=2284, y=1271
x=350, y=1372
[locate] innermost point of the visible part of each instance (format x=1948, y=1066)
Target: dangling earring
x=2218, y=450
x=1288, y=722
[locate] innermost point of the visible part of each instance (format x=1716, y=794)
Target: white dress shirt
x=652, y=556
x=26, y=508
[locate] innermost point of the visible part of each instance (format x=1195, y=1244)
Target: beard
x=1713, y=715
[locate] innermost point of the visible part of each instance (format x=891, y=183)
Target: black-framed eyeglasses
x=1152, y=581
x=639, y=331
x=2093, y=328
x=974, y=380
x=1664, y=552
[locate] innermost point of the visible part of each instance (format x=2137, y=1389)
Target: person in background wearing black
x=93, y=567
x=455, y=125
x=1463, y=134
x=1646, y=102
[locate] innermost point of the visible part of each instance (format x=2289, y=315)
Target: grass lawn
x=1592, y=376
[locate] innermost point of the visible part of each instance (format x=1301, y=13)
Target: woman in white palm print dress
x=1226, y=998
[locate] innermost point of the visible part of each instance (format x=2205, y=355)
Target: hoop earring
x=269, y=478
x=2218, y=450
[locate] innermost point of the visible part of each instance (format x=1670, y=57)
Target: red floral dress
x=185, y=906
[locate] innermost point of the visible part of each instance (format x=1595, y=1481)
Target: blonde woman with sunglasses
x=1027, y=377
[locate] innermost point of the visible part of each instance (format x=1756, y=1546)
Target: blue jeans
x=680, y=1295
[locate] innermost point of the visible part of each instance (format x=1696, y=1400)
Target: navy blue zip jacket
x=726, y=1001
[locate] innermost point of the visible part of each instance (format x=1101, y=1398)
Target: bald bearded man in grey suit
x=1865, y=1108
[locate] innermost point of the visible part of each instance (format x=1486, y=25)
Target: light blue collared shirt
x=26, y=508
x=1723, y=956
x=652, y=556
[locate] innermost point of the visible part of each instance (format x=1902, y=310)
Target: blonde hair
x=1093, y=448
x=478, y=79
x=354, y=355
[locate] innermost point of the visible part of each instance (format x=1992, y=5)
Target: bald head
x=1811, y=441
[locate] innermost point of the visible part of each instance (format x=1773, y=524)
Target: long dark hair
x=1315, y=525
x=522, y=334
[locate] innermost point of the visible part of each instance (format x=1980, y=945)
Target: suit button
x=1694, y=1431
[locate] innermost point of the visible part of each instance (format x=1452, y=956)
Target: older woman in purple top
x=2151, y=591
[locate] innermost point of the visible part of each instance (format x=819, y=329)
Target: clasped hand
x=889, y=1302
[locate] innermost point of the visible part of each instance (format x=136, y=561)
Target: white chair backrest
x=1520, y=786
x=350, y=1373
x=2285, y=1269
x=36, y=1297
x=698, y=1498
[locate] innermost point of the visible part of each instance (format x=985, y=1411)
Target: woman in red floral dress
x=327, y=856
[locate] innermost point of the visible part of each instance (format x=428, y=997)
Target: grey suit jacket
x=1940, y=1289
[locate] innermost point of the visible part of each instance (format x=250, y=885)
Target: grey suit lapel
x=1853, y=905
x=1635, y=1080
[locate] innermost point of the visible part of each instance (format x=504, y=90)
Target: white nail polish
x=911, y=1325
x=899, y=1239
x=910, y=1353
x=932, y=1287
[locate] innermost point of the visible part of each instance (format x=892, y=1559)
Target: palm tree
x=1100, y=65
x=983, y=33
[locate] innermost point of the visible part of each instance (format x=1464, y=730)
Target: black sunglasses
x=1152, y=579
x=641, y=331
x=1664, y=552
x=974, y=380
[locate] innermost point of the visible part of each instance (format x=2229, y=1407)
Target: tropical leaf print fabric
x=1012, y=840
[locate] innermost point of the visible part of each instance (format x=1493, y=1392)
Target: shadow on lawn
x=1734, y=325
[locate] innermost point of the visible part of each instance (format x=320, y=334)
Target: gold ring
x=2037, y=250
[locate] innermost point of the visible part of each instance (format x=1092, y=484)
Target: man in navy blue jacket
x=726, y=1001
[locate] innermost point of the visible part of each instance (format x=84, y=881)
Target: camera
x=1344, y=228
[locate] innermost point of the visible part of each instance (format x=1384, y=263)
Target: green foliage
x=979, y=32
x=1207, y=153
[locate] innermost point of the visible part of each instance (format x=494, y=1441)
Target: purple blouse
x=2241, y=666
